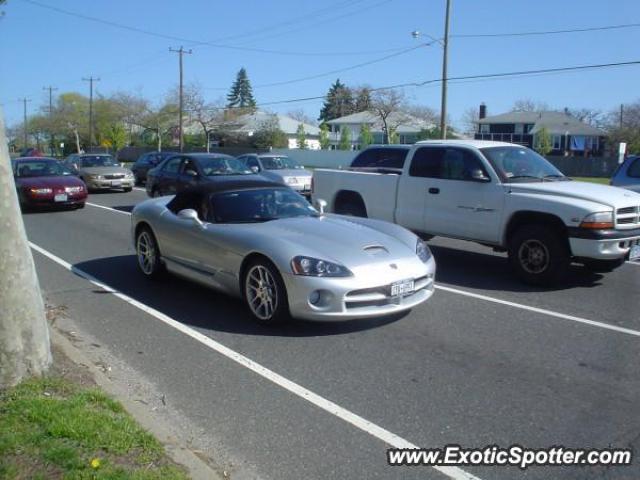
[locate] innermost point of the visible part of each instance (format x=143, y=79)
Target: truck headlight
x=598, y=220
x=422, y=251
x=315, y=267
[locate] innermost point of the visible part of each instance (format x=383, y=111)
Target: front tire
x=265, y=294
x=539, y=255
x=148, y=254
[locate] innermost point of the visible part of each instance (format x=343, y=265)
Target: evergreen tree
x=345, y=139
x=301, y=136
x=543, y=142
x=338, y=103
x=324, y=137
x=362, y=100
x=366, y=138
x=241, y=95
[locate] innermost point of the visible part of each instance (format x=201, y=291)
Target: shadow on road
x=489, y=271
x=124, y=208
x=201, y=307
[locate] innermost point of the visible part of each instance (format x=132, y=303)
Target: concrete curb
x=198, y=469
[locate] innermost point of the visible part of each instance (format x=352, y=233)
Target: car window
x=381, y=158
x=187, y=199
x=252, y=162
x=172, y=165
x=634, y=169
x=98, y=161
x=188, y=165
x=445, y=163
x=259, y=205
x=40, y=168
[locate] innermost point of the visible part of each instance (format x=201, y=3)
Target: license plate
x=116, y=183
x=400, y=289
x=634, y=253
x=61, y=197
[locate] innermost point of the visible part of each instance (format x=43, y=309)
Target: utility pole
x=24, y=334
x=445, y=55
x=24, y=102
x=181, y=51
x=621, y=113
x=51, y=135
x=91, y=80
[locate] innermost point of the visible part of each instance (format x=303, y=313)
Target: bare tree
x=389, y=106
x=25, y=348
x=469, y=120
x=529, y=105
x=301, y=116
x=427, y=114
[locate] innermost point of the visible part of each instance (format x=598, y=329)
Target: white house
x=406, y=126
x=250, y=123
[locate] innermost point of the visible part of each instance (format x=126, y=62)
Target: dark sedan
x=45, y=182
x=182, y=171
x=146, y=162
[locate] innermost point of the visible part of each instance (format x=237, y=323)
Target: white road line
x=141, y=189
x=298, y=390
x=637, y=264
x=522, y=306
x=107, y=208
x=543, y=311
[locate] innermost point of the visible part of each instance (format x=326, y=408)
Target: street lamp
x=445, y=54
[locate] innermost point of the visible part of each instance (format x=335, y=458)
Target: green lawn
x=54, y=429
x=601, y=180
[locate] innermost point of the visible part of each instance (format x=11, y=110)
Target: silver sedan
x=264, y=243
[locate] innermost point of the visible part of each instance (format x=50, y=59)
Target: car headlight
x=315, y=267
x=40, y=191
x=96, y=177
x=290, y=180
x=129, y=174
x=422, y=251
x=598, y=220
x=73, y=189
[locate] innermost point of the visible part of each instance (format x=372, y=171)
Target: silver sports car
x=264, y=243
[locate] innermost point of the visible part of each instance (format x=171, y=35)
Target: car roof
x=393, y=146
x=468, y=143
x=31, y=159
x=205, y=155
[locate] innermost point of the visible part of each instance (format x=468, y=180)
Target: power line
x=546, y=32
x=189, y=41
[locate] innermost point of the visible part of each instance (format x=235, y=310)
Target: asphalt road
x=510, y=365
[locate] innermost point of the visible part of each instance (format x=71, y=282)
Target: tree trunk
x=77, y=135
x=24, y=335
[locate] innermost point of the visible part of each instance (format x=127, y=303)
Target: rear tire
x=80, y=205
x=148, y=254
x=265, y=294
x=539, y=255
x=128, y=189
x=352, y=209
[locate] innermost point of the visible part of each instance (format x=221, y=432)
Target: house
x=249, y=123
x=406, y=127
x=569, y=136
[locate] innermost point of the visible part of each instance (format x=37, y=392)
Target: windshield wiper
x=526, y=176
x=558, y=177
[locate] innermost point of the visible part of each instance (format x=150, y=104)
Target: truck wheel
x=352, y=209
x=538, y=255
x=603, y=266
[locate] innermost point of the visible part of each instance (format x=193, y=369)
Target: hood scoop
x=376, y=250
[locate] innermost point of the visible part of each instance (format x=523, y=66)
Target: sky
x=283, y=42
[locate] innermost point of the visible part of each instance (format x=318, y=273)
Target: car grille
x=628, y=217
x=381, y=296
x=115, y=176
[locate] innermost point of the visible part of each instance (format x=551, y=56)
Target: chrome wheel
x=533, y=256
x=261, y=292
x=146, y=250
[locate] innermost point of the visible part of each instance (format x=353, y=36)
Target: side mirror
x=191, y=173
x=321, y=205
x=477, y=175
x=255, y=169
x=189, y=214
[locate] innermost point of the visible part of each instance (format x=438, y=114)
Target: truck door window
x=427, y=162
x=459, y=163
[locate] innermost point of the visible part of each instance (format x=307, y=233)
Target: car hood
x=50, y=182
x=103, y=170
x=613, y=197
x=325, y=237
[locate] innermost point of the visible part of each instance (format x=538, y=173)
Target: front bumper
x=359, y=296
x=50, y=202
x=109, y=184
x=602, y=244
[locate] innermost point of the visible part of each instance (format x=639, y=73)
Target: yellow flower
x=95, y=463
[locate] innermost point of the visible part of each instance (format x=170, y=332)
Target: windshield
x=279, y=163
x=40, y=168
x=98, y=161
x=260, y=205
x=223, y=166
x=519, y=164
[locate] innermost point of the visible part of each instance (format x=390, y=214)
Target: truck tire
x=602, y=266
x=539, y=255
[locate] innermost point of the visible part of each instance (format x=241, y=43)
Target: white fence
x=319, y=158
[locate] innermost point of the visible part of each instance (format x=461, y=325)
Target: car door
x=457, y=203
x=168, y=177
x=190, y=174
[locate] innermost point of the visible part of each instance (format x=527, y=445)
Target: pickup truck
x=501, y=195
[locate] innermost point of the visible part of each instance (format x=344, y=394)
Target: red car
x=45, y=182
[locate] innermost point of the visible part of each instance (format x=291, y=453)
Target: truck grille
x=628, y=217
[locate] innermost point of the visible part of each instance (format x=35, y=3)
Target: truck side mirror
x=477, y=175
x=321, y=205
